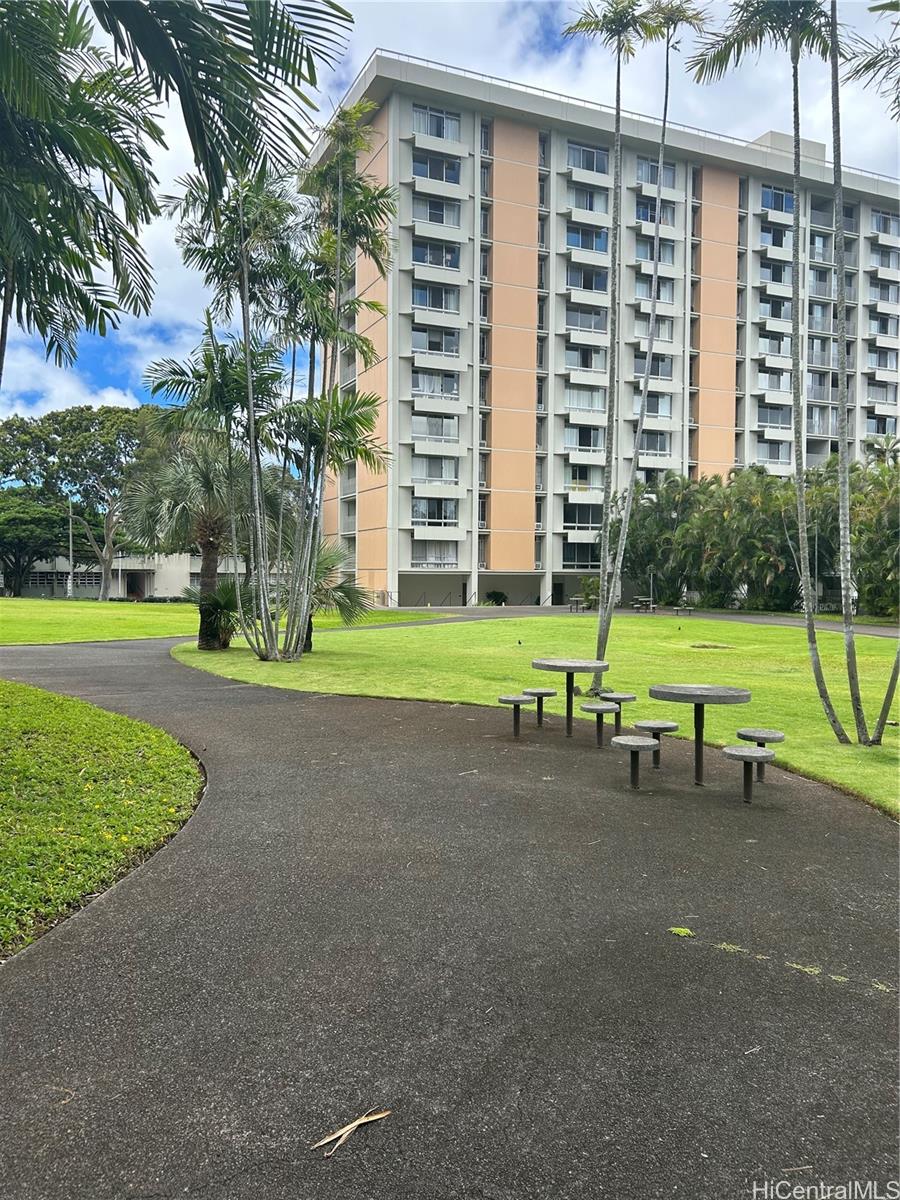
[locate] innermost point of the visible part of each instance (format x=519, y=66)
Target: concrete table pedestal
x=570, y=667
x=699, y=694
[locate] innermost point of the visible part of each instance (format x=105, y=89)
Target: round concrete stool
x=619, y=698
x=761, y=737
x=540, y=694
x=600, y=708
x=636, y=746
x=516, y=702
x=656, y=729
x=748, y=755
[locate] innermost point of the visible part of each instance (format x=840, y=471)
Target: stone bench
x=748, y=755
x=540, y=694
x=760, y=737
x=687, y=609
x=600, y=709
x=636, y=746
x=618, y=698
x=516, y=702
x=656, y=729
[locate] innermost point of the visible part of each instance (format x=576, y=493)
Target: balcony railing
x=766, y=460
x=822, y=428
x=453, y=439
x=434, y=479
x=435, y=563
x=584, y=449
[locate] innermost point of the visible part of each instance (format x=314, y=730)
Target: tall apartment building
x=493, y=353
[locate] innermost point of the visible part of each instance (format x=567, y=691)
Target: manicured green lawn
x=474, y=662
x=84, y=794
x=31, y=622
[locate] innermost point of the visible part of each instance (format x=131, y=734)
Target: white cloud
x=32, y=386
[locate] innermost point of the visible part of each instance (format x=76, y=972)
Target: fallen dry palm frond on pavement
x=342, y=1134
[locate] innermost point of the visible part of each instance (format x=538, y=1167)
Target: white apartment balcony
x=448, y=406
x=432, y=360
x=586, y=216
x=774, y=216
x=436, y=231
x=641, y=343
x=672, y=233
x=775, y=361
x=883, y=341
x=586, y=416
x=663, y=308
x=584, y=178
x=884, y=307
x=584, y=534
x=582, y=296
x=883, y=408
x=588, y=378
x=445, y=446
x=438, y=187
x=883, y=237
x=428, y=274
x=782, y=290
x=886, y=274
x=586, y=456
x=775, y=465
x=586, y=258
x=435, y=489
x=821, y=429
x=587, y=337
x=777, y=253
x=775, y=324
x=666, y=270
x=880, y=374
x=435, y=317
x=437, y=145
x=436, y=532
x=581, y=493
x=821, y=219
x=649, y=190
x=774, y=433
x=766, y=395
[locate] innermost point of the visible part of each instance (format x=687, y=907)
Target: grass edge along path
x=475, y=662
x=34, y=622
x=85, y=795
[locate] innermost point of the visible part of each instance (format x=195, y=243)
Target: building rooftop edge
x=373, y=68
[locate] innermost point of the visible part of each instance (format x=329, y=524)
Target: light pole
x=70, y=586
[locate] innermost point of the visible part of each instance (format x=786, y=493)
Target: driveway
x=388, y=903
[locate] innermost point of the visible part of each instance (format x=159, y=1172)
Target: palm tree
x=620, y=25
x=239, y=70
x=75, y=178
x=862, y=733
x=877, y=63
x=666, y=17
x=801, y=27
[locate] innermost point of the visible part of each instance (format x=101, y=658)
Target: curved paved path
x=392, y=903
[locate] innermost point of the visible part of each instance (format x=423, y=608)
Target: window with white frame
x=582, y=398
x=656, y=441
x=648, y=172
x=775, y=381
x=435, y=383
x=436, y=254
x=660, y=365
x=434, y=427
x=585, y=358
x=590, y=320
x=435, y=297
x=644, y=250
x=439, y=555
x=436, y=211
x=777, y=199
x=586, y=237
x=588, y=158
x=773, y=452
x=587, y=199
x=665, y=289
x=435, y=166
x=665, y=327
x=429, y=339
x=881, y=393
x=645, y=210
x=883, y=326
x=431, y=511
x=589, y=438
x=885, y=222
x=882, y=360
x=883, y=292
x=774, y=416
x=777, y=236
x=436, y=122
x=432, y=468
x=659, y=404
x=588, y=279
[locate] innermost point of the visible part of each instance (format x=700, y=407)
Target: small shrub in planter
x=496, y=597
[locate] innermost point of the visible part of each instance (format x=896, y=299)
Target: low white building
x=135, y=577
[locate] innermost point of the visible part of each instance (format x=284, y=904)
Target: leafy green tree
x=88, y=454
x=31, y=528
x=75, y=178
x=876, y=62
x=656, y=544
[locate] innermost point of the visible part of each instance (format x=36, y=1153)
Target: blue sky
x=513, y=39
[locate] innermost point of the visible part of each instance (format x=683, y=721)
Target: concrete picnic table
x=571, y=667
x=699, y=694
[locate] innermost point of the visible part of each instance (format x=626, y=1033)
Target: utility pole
x=70, y=586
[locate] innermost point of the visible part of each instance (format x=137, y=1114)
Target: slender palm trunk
x=607, y=616
x=799, y=421
x=862, y=733
x=613, y=363
x=279, y=581
x=878, y=732
x=258, y=540
x=9, y=288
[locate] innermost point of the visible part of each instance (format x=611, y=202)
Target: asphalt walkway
x=388, y=903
